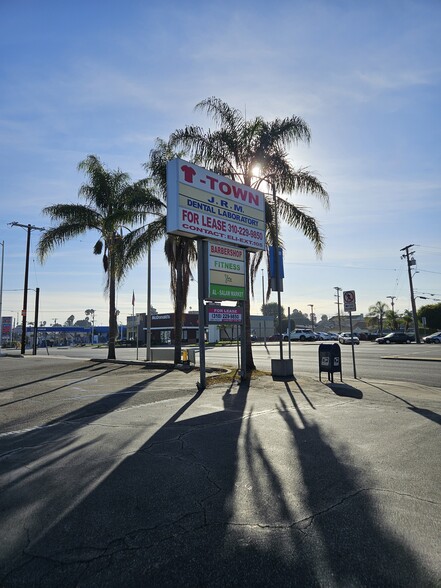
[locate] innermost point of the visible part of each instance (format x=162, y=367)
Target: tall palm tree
x=234, y=150
x=112, y=205
x=180, y=252
x=377, y=312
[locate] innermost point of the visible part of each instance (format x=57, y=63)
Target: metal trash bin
x=329, y=360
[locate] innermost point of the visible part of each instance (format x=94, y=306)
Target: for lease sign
x=223, y=315
x=203, y=204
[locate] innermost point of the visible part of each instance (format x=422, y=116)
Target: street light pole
x=312, y=315
x=338, y=306
x=392, y=298
x=29, y=228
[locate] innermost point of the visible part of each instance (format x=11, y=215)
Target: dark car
x=275, y=337
x=395, y=338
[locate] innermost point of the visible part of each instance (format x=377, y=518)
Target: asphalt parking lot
x=116, y=475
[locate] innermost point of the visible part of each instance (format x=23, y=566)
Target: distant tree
x=407, y=319
x=90, y=312
x=391, y=319
x=69, y=321
x=376, y=313
x=272, y=309
x=324, y=317
x=82, y=323
x=299, y=318
x=432, y=313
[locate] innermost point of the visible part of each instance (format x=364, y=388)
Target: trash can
x=329, y=360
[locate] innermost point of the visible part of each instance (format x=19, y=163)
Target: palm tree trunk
x=111, y=354
x=179, y=301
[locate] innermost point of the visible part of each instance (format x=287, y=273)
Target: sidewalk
x=296, y=483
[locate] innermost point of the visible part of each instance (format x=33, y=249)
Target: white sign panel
x=203, y=204
x=349, y=301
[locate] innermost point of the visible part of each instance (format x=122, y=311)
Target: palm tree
x=113, y=204
x=407, y=319
x=180, y=252
x=234, y=150
x=377, y=312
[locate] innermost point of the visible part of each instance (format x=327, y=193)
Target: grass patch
x=232, y=376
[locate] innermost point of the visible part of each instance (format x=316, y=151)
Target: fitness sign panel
x=203, y=204
x=226, y=272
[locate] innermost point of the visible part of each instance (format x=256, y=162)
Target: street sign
x=349, y=301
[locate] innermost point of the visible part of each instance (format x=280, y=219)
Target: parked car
x=275, y=337
x=300, y=335
x=434, y=338
x=395, y=338
x=347, y=339
x=325, y=336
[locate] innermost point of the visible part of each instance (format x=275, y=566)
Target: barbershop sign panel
x=203, y=204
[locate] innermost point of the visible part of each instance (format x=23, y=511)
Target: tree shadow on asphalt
x=424, y=412
x=213, y=499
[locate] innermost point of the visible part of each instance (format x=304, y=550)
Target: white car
x=300, y=335
x=435, y=338
x=347, y=339
x=326, y=336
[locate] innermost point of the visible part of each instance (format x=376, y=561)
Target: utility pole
x=338, y=306
x=411, y=261
x=392, y=298
x=312, y=315
x=29, y=229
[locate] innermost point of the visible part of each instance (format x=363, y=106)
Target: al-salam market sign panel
x=204, y=204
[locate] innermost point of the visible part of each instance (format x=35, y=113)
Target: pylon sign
x=204, y=204
x=349, y=301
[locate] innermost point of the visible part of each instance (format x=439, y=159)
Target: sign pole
x=201, y=277
x=349, y=304
x=352, y=345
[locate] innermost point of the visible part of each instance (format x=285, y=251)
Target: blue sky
x=108, y=77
